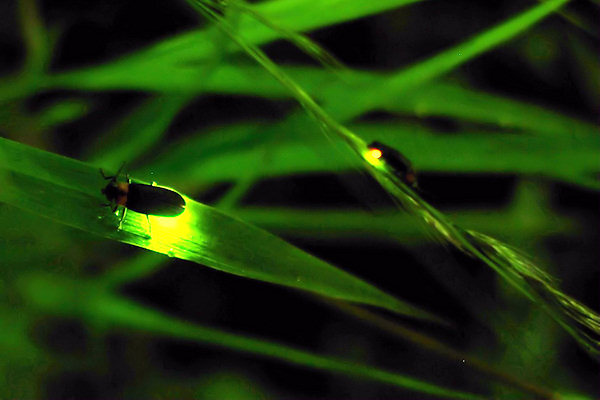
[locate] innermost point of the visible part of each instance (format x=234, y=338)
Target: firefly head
x=116, y=192
x=111, y=191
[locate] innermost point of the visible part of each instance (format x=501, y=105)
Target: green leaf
x=68, y=191
x=139, y=131
x=221, y=155
x=102, y=308
x=431, y=99
x=374, y=96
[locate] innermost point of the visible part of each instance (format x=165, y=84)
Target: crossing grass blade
x=220, y=154
x=579, y=321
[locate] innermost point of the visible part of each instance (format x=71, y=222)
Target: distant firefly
x=400, y=165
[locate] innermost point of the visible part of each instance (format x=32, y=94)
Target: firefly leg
x=149, y=226
x=112, y=177
x=122, y=217
x=106, y=176
x=120, y=169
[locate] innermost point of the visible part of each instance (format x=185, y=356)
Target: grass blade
x=373, y=97
x=525, y=276
x=68, y=191
x=102, y=308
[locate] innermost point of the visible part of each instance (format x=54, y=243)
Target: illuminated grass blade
x=102, y=308
x=68, y=191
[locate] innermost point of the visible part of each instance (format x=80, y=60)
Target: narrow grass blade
x=322, y=225
x=137, y=132
x=297, y=15
x=582, y=323
x=222, y=153
x=518, y=271
x=102, y=308
x=372, y=97
x=431, y=99
x=149, y=65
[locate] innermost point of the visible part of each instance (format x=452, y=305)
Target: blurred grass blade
x=334, y=225
x=220, y=155
x=35, y=36
x=102, y=308
x=62, y=112
x=452, y=100
x=431, y=99
x=308, y=46
x=154, y=64
x=68, y=191
x=137, y=132
x=374, y=96
x=296, y=15
x=140, y=265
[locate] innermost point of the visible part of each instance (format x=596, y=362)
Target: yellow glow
x=373, y=157
x=174, y=236
x=375, y=153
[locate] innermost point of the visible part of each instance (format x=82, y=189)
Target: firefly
x=142, y=198
x=400, y=165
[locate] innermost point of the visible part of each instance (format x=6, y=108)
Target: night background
x=504, y=141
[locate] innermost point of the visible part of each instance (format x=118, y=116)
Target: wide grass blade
x=68, y=191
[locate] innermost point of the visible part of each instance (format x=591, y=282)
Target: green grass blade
x=61, y=112
x=137, y=132
x=582, y=323
x=150, y=66
x=431, y=99
x=333, y=225
x=36, y=38
x=373, y=97
x=515, y=269
x=296, y=15
x=102, y=308
x=221, y=154
x=68, y=191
